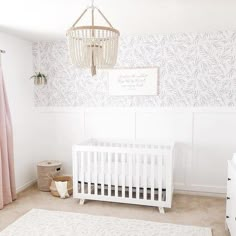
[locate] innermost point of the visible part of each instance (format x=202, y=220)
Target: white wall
x=204, y=137
x=196, y=70
x=17, y=68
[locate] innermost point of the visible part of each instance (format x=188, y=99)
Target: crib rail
x=129, y=173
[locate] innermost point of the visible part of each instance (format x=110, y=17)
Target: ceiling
x=49, y=19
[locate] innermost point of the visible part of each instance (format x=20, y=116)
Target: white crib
x=125, y=172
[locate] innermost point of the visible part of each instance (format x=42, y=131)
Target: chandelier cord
x=93, y=8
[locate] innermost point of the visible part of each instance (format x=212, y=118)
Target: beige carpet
x=187, y=210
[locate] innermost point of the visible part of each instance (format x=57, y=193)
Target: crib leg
x=81, y=201
x=162, y=210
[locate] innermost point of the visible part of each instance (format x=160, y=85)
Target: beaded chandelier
x=93, y=46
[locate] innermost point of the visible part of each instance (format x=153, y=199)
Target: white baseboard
x=25, y=186
x=202, y=190
x=198, y=193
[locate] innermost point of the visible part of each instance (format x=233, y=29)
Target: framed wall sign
x=134, y=82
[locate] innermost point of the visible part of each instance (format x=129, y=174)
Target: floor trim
x=25, y=186
x=203, y=194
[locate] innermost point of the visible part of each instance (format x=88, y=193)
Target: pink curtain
x=7, y=177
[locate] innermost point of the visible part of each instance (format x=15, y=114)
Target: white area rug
x=55, y=223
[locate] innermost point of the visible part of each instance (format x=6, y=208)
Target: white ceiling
x=49, y=19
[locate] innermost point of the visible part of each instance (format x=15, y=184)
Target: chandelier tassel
x=93, y=67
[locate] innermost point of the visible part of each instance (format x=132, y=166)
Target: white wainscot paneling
x=109, y=124
x=214, y=144
x=65, y=129
x=176, y=126
x=204, y=138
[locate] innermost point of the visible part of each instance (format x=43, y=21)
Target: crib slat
x=123, y=174
x=137, y=161
x=102, y=173
x=109, y=174
x=75, y=171
x=89, y=172
x=130, y=161
x=116, y=174
x=95, y=172
x=82, y=171
x=169, y=175
x=145, y=177
x=152, y=176
x=160, y=159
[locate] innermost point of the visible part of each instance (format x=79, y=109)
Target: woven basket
x=53, y=188
x=47, y=170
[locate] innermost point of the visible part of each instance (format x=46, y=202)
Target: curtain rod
x=2, y=51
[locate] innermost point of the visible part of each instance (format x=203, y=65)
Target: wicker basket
x=45, y=170
x=53, y=188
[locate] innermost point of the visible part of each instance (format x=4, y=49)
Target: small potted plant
x=39, y=78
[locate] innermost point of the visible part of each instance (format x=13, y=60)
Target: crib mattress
x=112, y=178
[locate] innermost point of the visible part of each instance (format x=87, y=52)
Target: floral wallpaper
x=196, y=70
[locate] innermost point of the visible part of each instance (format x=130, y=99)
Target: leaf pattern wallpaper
x=196, y=70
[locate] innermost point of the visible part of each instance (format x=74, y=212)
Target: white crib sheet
x=107, y=176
